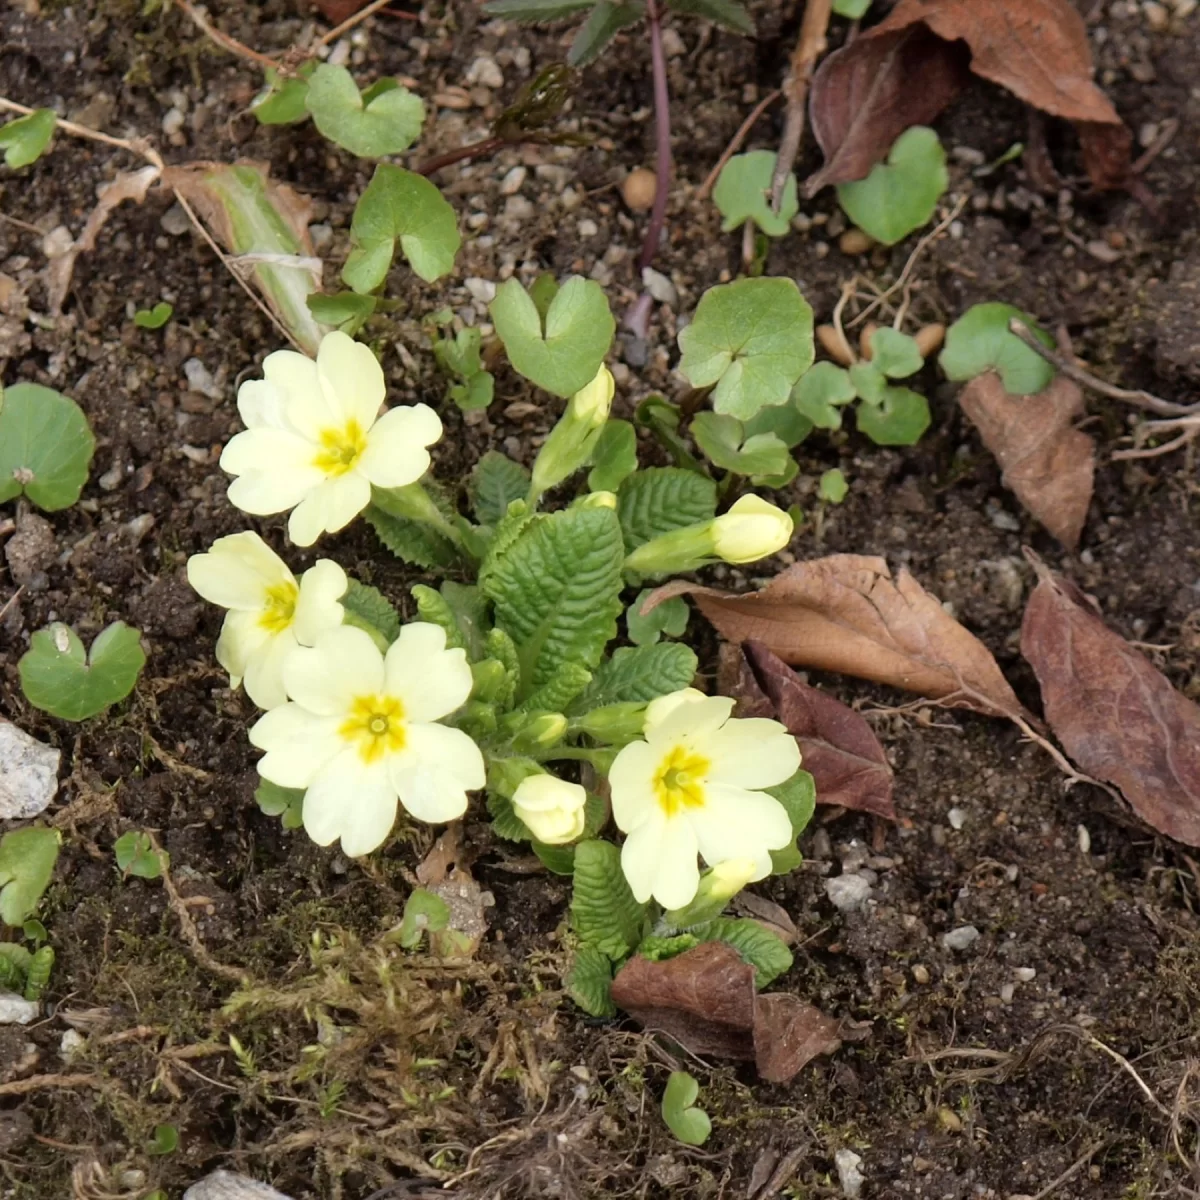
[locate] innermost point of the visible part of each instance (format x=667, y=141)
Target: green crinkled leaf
x=347, y=311
x=503, y=649
x=832, y=486
x=589, y=982
x=153, y=318
x=535, y=10
x=564, y=355
x=61, y=678
x=743, y=191
x=639, y=674
x=387, y=120
x=27, y=858
x=614, y=458
x=556, y=591
x=721, y=439
x=728, y=13
x=135, y=855
x=470, y=608
x=556, y=694
x=505, y=822
x=399, y=205
x=669, y=617
x=25, y=140
x=820, y=392
x=659, y=949
x=14, y=966
x=898, y=420
x=432, y=608
x=558, y=860
x=691, y=1125
x=276, y=801
x=604, y=22
x=763, y=950
x=753, y=339
x=495, y=483
x=46, y=446
x=282, y=101
x=509, y=530
x=899, y=195
x=660, y=499
x=368, y=608
x=895, y=354
x=785, y=421
x=980, y=341
x=413, y=542
x=603, y=910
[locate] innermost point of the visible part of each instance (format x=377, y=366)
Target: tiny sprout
x=691, y=1125
x=833, y=487
x=153, y=318
x=136, y=855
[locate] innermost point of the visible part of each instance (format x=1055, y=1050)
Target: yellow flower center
x=679, y=780
x=280, y=607
x=340, y=448
x=375, y=725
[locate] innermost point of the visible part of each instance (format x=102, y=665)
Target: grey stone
x=28, y=774
x=16, y=1010
x=847, y=893
x=961, y=938
x=225, y=1185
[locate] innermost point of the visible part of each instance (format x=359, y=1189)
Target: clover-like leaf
x=46, y=446
x=898, y=419
x=753, y=339
x=400, y=206
x=27, y=858
x=604, y=22
x=785, y=421
x=980, y=340
x=603, y=910
x=614, y=458
x=895, y=354
x=276, y=801
x=282, y=100
x=743, y=194
x=721, y=439
x=564, y=353
x=136, y=855
x=58, y=677
x=689, y=1124
x=347, y=311
x=821, y=391
x=153, y=318
x=25, y=140
x=386, y=120
x=669, y=617
x=899, y=195
x=832, y=486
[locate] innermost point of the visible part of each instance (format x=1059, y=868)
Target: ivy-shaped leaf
x=27, y=858
x=895, y=354
x=276, y=801
x=282, y=100
x=400, y=206
x=604, y=22
x=387, y=119
x=368, y=608
x=721, y=439
x=821, y=391
x=766, y=952
x=614, y=458
x=899, y=419
x=589, y=982
x=25, y=140
x=603, y=910
x=638, y=675
x=691, y=1125
x=669, y=617
x=980, y=340
x=495, y=483
x=61, y=678
x=660, y=499
x=743, y=191
x=46, y=446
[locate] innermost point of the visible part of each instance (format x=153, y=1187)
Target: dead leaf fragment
x=705, y=1000
x=837, y=746
x=845, y=613
x=1045, y=460
x=1114, y=712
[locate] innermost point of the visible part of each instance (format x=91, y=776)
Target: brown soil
x=358, y=1065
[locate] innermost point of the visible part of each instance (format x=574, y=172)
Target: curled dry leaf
x=1036, y=49
x=1045, y=460
x=838, y=748
x=1115, y=713
x=845, y=613
x=705, y=999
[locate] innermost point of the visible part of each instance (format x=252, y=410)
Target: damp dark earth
x=1014, y=959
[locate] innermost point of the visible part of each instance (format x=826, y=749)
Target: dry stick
x=795, y=88
x=662, y=138
x=735, y=143
x=35, y=1083
x=1071, y=1171
x=350, y=22
x=223, y=40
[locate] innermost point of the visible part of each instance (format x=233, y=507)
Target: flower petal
x=752, y=753
x=659, y=860
x=297, y=744
x=262, y=493
x=736, y=823
x=242, y=636
x=261, y=405
x=329, y=507
x=295, y=378
x=236, y=571
x=351, y=379
x=631, y=780
x=317, y=607
x=693, y=722
x=429, y=680
x=429, y=794
x=351, y=800
x=269, y=451
x=449, y=751
x=263, y=676
x=395, y=455
x=342, y=663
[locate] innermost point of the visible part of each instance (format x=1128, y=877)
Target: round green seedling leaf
x=869, y=382
x=59, y=678
x=900, y=195
x=153, y=318
x=45, y=446
x=785, y=421
x=895, y=354
x=743, y=194
x=689, y=1124
x=282, y=101
x=832, y=487
x=669, y=617
x=25, y=139
x=898, y=420
x=136, y=855
x=387, y=119
x=724, y=444
x=752, y=339
x=821, y=391
x=27, y=858
x=980, y=340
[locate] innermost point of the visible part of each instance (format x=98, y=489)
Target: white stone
x=588, y=228
x=16, y=1010
x=849, y=1175
x=847, y=893
x=510, y=185
x=1026, y=974
x=659, y=286
x=485, y=71
x=518, y=208
x=28, y=774
x=483, y=291
x=172, y=121
x=1085, y=839
x=200, y=379
x=957, y=818
x=673, y=45
x=70, y=1043
x=225, y=1185
x=961, y=938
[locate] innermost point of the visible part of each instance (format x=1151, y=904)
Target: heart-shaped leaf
x=564, y=356
x=900, y=195
x=25, y=139
x=153, y=318
x=136, y=855
x=869, y=382
x=821, y=391
x=689, y=1124
x=895, y=354
x=724, y=444
x=669, y=617
x=980, y=340
x=898, y=419
x=45, y=446
x=387, y=119
x=59, y=678
x=743, y=194
x=27, y=858
x=282, y=101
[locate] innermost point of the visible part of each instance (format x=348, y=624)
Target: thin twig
x=795, y=87
x=1071, y=1171
x=362, y=14
x=485, y=146
x=735, y=143
x=1191, y=430
x=662, y=138
x=224, y=40
x=137, y=146
x=35, y=1083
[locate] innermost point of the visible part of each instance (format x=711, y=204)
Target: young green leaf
x=45, y=446
x=368, y=608
x=980, y=341
x=282, y=101
x=423, y=912
x=27, y=858
x=614, y=458
x=670, y=617
x=589, y=982
x=743, y=194
x=895, y=354
x=660, y=499
x=764, y=951
x=276, y=801
x=832, y=487
x=37, y=978
x=821, y=391
x=556, y=591
x=411, y=541
x=14, y=965
x=853, y=9
x=603, y=910
x=869, y=382
x=720, y=437
x=689, y=1124
x=662, y=418
x=495, y=483
x=387, y=120
x=166, y=1140
x=347, y=311
x=785, y=421
x=899, y=195
x=637, y=675
x=398, y=205
x=728, y=13
x=798, y=796
x=565, y=354
x=153, y=318
x=753, y=339
x=604, y=22
x=898, y=420
x=459, y=357
x=535, y=10
x=60, y=678
x=25, y=140
x=135, y=855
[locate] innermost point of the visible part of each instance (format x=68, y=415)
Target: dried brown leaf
x=789, y=1034
x=1114, y=712
x=845, y=613
x=1045, y=460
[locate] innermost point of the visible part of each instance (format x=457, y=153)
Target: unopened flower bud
x=750, y=530
x=572, y=440
x=551, y=808
x=614, y=722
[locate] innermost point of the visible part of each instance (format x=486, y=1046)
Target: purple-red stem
x=662, y=132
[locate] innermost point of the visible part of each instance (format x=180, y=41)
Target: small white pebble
x=511, y=183
x=339, y=56
x=483, y=291
x=486, y=72
x=172, y=121
x=1007, y=992
x=961, y=938
x=1085, y=839
x=957, y=818
x=956, y=230
x=587, y=228
x=672, y=43
x=69, y=1045
x=847, y=893
x=659, y=286
x=1025, y=974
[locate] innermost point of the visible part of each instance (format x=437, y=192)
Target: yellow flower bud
x=551, y=808
x=599, y=500
x=591, y=403
x=750, y=530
